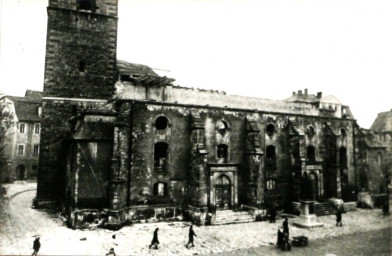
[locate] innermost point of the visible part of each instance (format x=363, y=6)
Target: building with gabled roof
x=22, y=139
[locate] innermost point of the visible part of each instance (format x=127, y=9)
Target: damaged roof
x=383, y=122
x=127, y=68
x=141, y=74
x=26, y=108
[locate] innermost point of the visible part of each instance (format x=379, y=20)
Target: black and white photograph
x=196, y=127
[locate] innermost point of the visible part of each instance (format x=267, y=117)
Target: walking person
x=339, y=218
x=155, y=240
x=279, y=243
x=36, y=246
x=191, y=235
x=272, y=214
x=286, y=226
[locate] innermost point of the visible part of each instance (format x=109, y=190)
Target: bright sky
x=263, y=48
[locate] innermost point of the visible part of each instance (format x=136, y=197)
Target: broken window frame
x=161, y=160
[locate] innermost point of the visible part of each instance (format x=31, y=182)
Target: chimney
x=306, y=92
x=299, y=92
x=319, y=94
x=293, y=93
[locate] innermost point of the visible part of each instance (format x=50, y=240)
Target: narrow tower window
x=82, y=66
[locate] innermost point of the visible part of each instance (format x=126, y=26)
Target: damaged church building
x=123, y=144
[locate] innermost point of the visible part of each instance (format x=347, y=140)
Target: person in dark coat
x=191, y=235
x=385, y=208
x=272, y=214
x=286, y=242
x=111, y=252
x=339, y=218
x=36, y=246
x=155, y=240
x=279, y=243
x=286, y=226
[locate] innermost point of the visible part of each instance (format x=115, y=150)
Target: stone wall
x=80, y=54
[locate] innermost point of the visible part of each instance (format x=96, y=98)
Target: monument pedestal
x=306, y=219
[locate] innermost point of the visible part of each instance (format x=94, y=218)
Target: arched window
x=343, y=133
x=270, y=152
x=160, y=189
x=270, y=129
x=311, y=154
x=160, y=156
x=222, y=127
x=222, y=151
x=161, y=123
x=343, y=157
x=270, y=158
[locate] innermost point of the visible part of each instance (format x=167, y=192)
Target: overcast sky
x=264, y=48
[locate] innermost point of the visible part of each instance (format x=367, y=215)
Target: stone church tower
x=80, y=73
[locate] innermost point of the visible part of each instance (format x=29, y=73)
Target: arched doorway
x=223, y=192
x=310, y=189
x=21, y=172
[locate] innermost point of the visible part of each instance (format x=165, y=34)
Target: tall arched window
x=343, y=133
x=270, y=158
x=311, y=153
x=343, y=157
x=160, y=156
x=270, y=152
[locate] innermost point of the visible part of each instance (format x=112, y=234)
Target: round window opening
x=161, y=123
x=270, y=129
x=310, y=131
x=222, y=127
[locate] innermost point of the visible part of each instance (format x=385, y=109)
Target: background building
x=377, y=154
x=22, y=139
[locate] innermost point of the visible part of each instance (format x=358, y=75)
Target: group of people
x=155, y=241
x=282, y=243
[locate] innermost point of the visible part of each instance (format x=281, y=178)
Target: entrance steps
x=223, y=217
x=323, y=209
